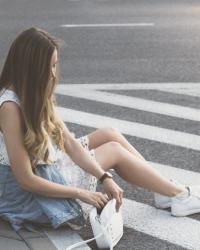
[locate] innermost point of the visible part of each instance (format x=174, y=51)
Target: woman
x=46, y=174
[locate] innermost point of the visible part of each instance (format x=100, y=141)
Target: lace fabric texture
x=71, y=171
x=7, y=95
x=76, y=175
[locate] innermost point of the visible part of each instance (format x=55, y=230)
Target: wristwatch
x=104, y=176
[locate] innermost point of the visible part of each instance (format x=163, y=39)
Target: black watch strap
x=104, y=176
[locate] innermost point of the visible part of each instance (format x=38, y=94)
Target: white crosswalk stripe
x=183, y=88
x=136, y=103
x=161, y=224
x=182, y=175
x=132, y=128
x=139, y=216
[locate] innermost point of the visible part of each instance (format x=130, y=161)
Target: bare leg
x=133, y=169
x=104, y=135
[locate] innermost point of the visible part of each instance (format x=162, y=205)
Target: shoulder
x=10, y=114
x=7, y=95
x=9, y=106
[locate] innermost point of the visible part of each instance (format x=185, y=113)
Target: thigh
x=99, y=137
x=108, y=155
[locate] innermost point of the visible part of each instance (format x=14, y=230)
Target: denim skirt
x=29, y=210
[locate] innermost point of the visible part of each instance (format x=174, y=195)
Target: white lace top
x=9, y=95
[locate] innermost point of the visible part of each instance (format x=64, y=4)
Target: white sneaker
x=163, y=201
x=186, y=203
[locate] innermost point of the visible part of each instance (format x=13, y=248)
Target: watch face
x=109, y=174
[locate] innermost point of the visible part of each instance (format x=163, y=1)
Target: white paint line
x=107, y=25
x=190, y=92
x=135, y=103
x=64, y=237
x=131, y=128
x=158, y=223
x=184, y=176
x=127, y=86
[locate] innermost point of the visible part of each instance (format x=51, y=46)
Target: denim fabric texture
x=26, y=209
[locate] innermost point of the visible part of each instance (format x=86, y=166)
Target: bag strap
x=89, y=240
x=83, y=242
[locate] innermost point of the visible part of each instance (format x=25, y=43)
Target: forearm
x=82, y=158
x=41, y=186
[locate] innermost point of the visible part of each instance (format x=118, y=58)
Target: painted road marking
x=107, y=25
x=182, y=175
x=135, y=103
x=160, y=224
x=126, y=86
x=131, y=128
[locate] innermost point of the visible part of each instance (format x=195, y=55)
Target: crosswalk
x=182, y=232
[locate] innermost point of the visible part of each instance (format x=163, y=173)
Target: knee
x=115, y=147
x=110, y=132
x=115, y=150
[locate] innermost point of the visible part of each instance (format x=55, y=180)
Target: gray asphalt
x=166, y=52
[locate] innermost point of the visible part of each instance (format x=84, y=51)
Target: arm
x=80, y=155
x=12, y=128
x=82, y=158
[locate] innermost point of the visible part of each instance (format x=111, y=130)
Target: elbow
x=69, y=145
x=26, y=184
x=25, y=187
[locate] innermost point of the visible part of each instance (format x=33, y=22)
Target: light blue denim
x=29, y=210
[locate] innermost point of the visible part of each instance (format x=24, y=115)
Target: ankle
x=179, y=190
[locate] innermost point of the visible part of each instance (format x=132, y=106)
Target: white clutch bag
x=107, y=227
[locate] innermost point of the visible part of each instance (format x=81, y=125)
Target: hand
x=113, y=191
x=96, y=199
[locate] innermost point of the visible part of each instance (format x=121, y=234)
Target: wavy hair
x=28, y=69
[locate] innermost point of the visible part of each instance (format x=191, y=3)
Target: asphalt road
x=157, y=43
x=166, y=52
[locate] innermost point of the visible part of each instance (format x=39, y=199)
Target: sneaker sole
x=193, y=211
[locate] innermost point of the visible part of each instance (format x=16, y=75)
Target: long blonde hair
x=28, y=68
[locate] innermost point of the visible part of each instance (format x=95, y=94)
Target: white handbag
x=107, y=227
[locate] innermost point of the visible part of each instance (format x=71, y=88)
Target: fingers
x=110, y=196
x=105, y=198
x=101, y=200
x=121, y=195
x=118, y=196
x=118, y=202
